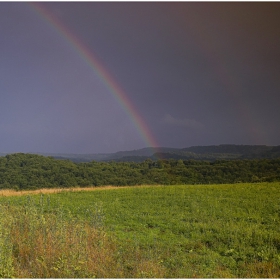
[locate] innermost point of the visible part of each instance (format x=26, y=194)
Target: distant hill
x=271, y=153
x=208, y=153
x=229, y=149
x=133, y=155
x=225, y=151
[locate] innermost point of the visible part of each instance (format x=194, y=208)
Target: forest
x=30, y=171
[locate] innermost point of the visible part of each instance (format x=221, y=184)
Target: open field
x=184, y=231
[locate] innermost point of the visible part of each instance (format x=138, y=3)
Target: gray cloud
x=207, y=73
x=189, y=123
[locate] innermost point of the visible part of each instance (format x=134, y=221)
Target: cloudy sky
x=103, y=77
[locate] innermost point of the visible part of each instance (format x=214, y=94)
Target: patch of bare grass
x=10, y=192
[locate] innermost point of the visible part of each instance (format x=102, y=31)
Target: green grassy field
x=204, y=231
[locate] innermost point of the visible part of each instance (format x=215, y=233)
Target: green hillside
x=29, y=171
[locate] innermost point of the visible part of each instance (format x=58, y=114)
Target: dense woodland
x=28, y=171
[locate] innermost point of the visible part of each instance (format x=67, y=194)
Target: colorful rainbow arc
x=88, y=56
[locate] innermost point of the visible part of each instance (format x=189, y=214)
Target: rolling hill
x=209, y=153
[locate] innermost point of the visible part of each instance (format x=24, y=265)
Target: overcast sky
x=197, y=73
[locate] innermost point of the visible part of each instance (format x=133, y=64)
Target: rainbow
x=114, y=88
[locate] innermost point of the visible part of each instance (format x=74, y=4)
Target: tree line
x=29, y=171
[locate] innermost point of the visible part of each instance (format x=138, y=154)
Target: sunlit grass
x=204, y=231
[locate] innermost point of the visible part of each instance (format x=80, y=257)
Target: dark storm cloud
x=198, y=73
x=189, y=123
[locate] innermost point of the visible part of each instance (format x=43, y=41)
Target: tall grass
x=36, y=243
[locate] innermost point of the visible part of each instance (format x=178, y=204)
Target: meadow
x=180, y=231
